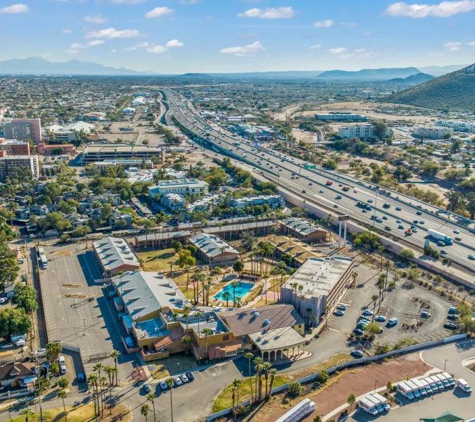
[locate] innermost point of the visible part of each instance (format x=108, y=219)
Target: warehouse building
x=115, y=256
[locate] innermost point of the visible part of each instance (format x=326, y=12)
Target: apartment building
x=432, y=132
x=22, y=129
x=457, y=126
x=11, y=164
x=273, y=201
x=359, y=131
x=181, y=187
x=13, y=147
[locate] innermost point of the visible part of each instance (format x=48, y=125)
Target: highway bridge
x=390, y=211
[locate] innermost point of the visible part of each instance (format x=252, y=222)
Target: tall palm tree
x=234, y=285
x=144, y=410
x=115, y=355
x=236, y=384
x=199, y=315
x=266, y=367
x=169, y=383
x=273, y=373
x=258, y=368
x=150, y=398
x=233, y=396
x=62, y=395
x=249, y=356
x=206, y=332
x=186, y=340
x=92, y=381
x=226, y=297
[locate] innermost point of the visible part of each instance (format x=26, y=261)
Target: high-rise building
x=11, y=164
x=23, y=129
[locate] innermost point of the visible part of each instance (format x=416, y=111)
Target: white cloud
x=157, y=49
x=187, y=2
x=158, y=12
x=94, y=19
x=244, y=50
x=471, y=43
x=66, y=31
x=114, y=50
x=314, y=47
x=444, y=9
x=14, y=8
x=269, y=13
x=345, y=53
x=76, y=47
x=324, y=24
x=112, y=33
x=338, y=51
x=174, y=44
x=95, y=43
x=453, y=46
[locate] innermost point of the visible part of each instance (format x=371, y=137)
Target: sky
x=180, y=36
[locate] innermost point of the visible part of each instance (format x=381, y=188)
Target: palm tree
x=186, y=340
x=27, y=413
x=354, y=276
x=150, y=398
x=234, y=285
x=374, y=298
x=115, y=355
x=249, y=356
x=266, y=367
x=144, y=410
x=62, y=395
x=171, y=263
x=273, y=373
x=233, y=395
x=169, y=383
x=53, y=350
x=258, y=368
x=226, y=297
x=92, y=381
x=206, y=332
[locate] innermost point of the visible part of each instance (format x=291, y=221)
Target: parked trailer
x=368, y=406
x=405, y=390
x=438, y=382
x=415, y=389
x=298, y=412
x=383, y=400
x=421, y=386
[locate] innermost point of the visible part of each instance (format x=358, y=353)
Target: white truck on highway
x=440, y=236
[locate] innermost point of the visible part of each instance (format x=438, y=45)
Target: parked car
x=3, y=300
x=451, y=326
x=62, y=369
x=40, y=353
x=146, y=388
x=367, y=312
x=341, y=307
x=425, y=314
x=184, y=378
x=337, y=312
x=358, y=331
x=380, y=318
x=7, y=346
x=163, y=385
x=392, y=322
x=453, y=317
x=177, y=382
x=190, y=376
x=357, y=354
x=81, y=377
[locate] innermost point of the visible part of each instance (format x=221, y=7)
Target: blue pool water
x=242, y=289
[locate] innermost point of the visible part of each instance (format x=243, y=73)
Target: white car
x=40, y=353
x=3, y=300
x=177, y=381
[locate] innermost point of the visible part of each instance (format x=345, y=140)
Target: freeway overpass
x=391, y=210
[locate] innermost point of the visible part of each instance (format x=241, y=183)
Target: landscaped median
x=224, y=399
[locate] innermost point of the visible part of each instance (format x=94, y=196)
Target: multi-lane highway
x=391, y=211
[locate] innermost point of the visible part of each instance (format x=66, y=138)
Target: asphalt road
x=311, y=183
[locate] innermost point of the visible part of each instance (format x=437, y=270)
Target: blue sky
x=177, y=36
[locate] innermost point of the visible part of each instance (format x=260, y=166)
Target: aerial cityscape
x=237, y=210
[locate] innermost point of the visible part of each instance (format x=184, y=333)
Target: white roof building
x=115, y=255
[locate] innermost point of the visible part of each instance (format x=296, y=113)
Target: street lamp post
x=375, y=381
x=445, y=364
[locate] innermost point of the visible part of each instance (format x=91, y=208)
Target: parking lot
x=405, y=304
x=76, y=311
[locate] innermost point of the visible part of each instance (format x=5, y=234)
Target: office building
x=181, y=187
x=56, y=149
x=94, y=153
x=273, y=201
x=10, y=165
x=317, y=285
x=69, y=133
x=23, y=129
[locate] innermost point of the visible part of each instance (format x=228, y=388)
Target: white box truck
x=421, y=387
x=415, y=389
x=368, y=406
x=405, y=390
x=464, y=386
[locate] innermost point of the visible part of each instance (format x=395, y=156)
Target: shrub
x=295, y=389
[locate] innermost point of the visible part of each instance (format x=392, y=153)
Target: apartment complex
x=317, y=285
x=273, y=201
x=359, y=131
x=214, y=250
x=94, y=153
x=304, y=230
x=432, y=132
x=14, y=147
x=22, y=129
x=10, y=165
x=180, y=187
x=457, y=126
x=341, y=117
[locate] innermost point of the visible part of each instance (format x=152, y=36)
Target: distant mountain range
x=455, y=90
x=369, y=74
x=418, y=78
x=40, y=66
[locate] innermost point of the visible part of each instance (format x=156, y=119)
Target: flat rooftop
x=104, y=149
x=209, y=320
x=278, y=338
x=318, y=276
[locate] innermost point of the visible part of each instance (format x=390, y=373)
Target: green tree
x=323, y=377
x=402, y=174
x=295, y=389
x=62, y=395
x=373, y=328
x=238, y=266
x=351, y=400
x=406, y=254
x=145, y=410
x=151, y=399
x=13, y=322
x=63, y=383
x=53, y=350
x=25, y=298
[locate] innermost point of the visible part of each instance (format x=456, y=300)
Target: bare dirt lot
x=357, y=381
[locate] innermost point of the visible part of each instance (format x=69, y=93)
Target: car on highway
x=321, y=191
x=367, y=312
x=458, y=239
x=457, y=231
x=341, y=307
x=419, y=213
x=387, y=228
x=304, y=191
x=358, y=354
x=440, y=243
x=310, y=183
x=337, y=312
x=399, y=221
x=416, y=221
x=370, y=201
x=398, y=208
x=421, y=222
x=380, y=318
x=338, y=197
x=400, y=227
x=471, y=257
x=443, y=252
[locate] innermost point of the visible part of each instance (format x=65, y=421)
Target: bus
x=41, y=257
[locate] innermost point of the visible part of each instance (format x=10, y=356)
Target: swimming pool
x=242, y=289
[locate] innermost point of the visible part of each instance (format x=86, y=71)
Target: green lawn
x=158, y=261
x=225, y=400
